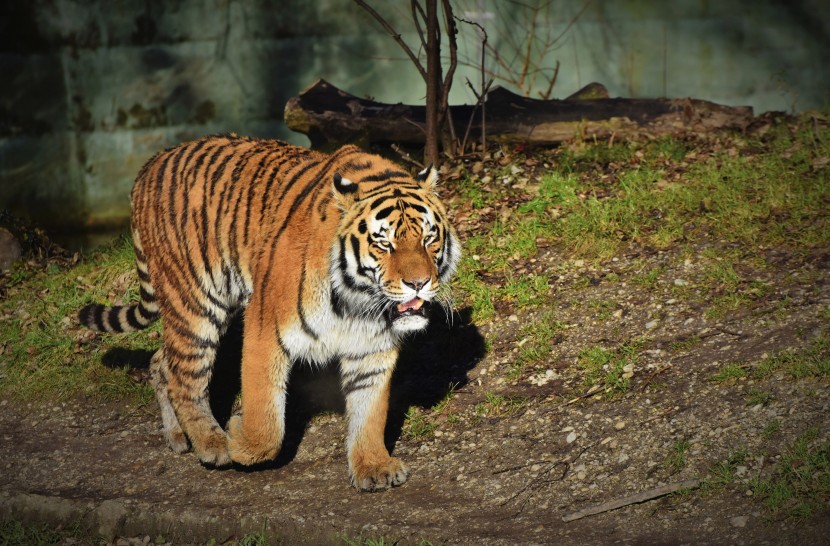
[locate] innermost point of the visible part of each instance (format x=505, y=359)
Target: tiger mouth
x=414, y=307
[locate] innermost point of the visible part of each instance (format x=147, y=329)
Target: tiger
x=331, y=259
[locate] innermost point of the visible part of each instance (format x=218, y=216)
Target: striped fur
x=333, y=258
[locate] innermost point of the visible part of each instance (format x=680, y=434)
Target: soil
x=483, y=472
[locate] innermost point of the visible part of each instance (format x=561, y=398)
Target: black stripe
x=357, y=165
x=379, y=201
x=300, y=311
x=387, y=188
x=174, y=356
x=361, y=269
x=385, y=175
x=145, y=296
x=113, y=320
x=174, y=183
x=132, y=319
x=147, y=314
x=337, y=303
x=383, y=213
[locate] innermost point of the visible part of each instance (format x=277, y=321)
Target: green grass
x=47, y=354
x=800, y=483
x=606, y=368
x=497, y=405
x=757, y=396
x=730, y=372
x=723, y=473
x=537, y=339
x=676, y=460
x=754, y=199
x=743, y=192
x=16, y=533
x=418, y=424
x=771, y=429
x=812, y=361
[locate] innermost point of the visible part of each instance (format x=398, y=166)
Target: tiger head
x=395, y=247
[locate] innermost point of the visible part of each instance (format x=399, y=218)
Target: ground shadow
x=432, y=363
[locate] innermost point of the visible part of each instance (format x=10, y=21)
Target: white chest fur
x=326, y=336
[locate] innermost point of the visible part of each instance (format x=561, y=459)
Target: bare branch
x=395, y=36
x=417, y=10
x=632, y=499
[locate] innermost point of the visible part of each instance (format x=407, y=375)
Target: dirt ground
x=506, y=457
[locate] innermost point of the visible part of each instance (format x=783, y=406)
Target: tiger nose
x=415, y=284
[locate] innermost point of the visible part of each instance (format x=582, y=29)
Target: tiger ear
x=344, y=189
x=429, y=177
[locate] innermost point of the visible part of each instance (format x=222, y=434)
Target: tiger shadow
x=432, y=364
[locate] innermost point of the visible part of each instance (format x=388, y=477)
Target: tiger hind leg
x=187, y=389
x=172, y=430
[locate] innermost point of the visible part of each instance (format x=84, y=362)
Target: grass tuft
x=48, y=355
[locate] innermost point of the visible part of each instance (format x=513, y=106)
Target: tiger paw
x=212, y=449
x=242, y=450
x=177, y=440
x=376, y=477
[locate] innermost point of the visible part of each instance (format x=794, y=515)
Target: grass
x=812, y=361
x=744, y=192
x=537, y=338
x=17, y=533
x=800, y=484
x=610, y=370
x=730, y=372
x=723, y=473
x=676, y=460
x=497, y=405
x=418, y=424
x=47, y=355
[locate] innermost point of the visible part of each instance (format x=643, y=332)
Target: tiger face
x=395, y=248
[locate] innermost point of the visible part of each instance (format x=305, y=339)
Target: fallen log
x=330, y=116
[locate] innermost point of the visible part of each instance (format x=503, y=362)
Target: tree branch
x=632, y=499
x=395, y=36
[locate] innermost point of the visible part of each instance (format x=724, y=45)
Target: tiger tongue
x=414, y=303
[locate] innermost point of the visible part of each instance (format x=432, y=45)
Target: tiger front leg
x=366, y=383
x=256, y=435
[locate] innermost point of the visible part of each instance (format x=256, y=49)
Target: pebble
x=680, y=282
x=619, y=425
x=739, y=521
x=623, y=458
x=650, y=325
x=571, y=437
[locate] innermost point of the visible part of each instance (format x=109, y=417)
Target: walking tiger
x=330, y=258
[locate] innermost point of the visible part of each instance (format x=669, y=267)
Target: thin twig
x=632, y=499
x=395, y=35
x=406, y=157
x=444, y=108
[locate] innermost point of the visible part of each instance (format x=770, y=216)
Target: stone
x=739, y=521
x=10, y=250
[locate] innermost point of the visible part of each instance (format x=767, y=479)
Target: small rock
x=10, y=250
x=739, y=521
x=623, y=458
x=619, y=425
x=652, y=324
x=571, y=437
x=680, y=282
